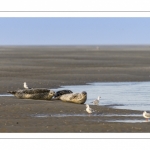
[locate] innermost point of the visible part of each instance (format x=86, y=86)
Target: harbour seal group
x=47, y=94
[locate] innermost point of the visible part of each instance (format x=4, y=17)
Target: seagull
x=146, y=115
x=88, y=109
x=25, y=85
x=96, y=101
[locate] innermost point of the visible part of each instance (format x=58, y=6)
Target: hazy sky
x=72, y=31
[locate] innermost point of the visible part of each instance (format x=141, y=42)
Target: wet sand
x=54, y=66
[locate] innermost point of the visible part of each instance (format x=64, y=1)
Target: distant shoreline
x=79, y=47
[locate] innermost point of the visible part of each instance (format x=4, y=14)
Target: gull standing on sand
x=96, y=101
x=88, y=109
x=146, y=115
x=25, y=85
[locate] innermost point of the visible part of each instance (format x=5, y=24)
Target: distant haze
x=74, y=31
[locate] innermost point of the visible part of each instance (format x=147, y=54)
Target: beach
x=56, y=66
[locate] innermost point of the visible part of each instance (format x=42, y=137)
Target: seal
x=37, y=93
x=61, y=92
x=78, y=98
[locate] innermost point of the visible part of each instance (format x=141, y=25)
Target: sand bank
x=52, y=67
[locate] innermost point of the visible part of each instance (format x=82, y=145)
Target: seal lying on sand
x=78, y=98
x=37, y=93
x=61, y=92
x=57, y=94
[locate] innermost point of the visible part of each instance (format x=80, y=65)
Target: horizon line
x=78, y=45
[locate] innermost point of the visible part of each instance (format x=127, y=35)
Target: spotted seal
x=61, y=92
x=34, y=93
x=78, y=98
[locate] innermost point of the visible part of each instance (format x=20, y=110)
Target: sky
x=74, y=31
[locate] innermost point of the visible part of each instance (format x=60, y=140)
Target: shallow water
x=83, y=115
x=123, y=121
x=122, y=95
x=6, y=95
x=96, y=115
x=129, y=121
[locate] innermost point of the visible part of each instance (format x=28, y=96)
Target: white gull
x=25, y=85
x=146, y=115
x=88, y=109
x=96, y=101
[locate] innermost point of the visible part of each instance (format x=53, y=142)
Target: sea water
x=122, y=95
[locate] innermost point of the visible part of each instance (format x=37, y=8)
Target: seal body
x=41, y=94
x=61, y=92
x=78, y=98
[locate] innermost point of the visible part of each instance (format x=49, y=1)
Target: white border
x=75, y=136
x=74, y=14
x=74, y=5
x=75, y=8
